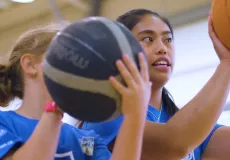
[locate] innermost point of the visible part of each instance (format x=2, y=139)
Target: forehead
x=149, y=22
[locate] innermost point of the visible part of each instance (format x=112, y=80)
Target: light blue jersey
x=109, y=130
x=74, y=144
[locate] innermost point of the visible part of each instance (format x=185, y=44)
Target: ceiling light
x=23, y=1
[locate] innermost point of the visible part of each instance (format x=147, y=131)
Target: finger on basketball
x=210, y=28
x=125, y=73
x=130, y=64
x=117, y=85
x=212, y=32
x=143, y=67
x=216, y=42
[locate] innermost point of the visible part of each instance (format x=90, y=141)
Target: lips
x=162, y=64
x=163, y=61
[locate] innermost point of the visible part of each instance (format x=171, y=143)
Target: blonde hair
x=35, y=42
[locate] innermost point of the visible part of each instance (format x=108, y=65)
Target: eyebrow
x=152, y=32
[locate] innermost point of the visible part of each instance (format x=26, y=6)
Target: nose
x=160, y=48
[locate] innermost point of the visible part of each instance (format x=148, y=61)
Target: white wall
x=196, y=61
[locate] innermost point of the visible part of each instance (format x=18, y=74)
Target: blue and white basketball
x=79, y=62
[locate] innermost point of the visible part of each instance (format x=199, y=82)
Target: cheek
x=146, y=50
x=143, y=46
x=173, y=57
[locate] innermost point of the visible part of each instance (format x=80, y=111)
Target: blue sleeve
x=205, y=143
x=8, y=141
x=101, y=151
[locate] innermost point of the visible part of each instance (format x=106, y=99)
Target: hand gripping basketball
x=79, y=62
x=222, y=51
x=135, y=97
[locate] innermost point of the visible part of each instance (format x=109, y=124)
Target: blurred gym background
x=195, y=58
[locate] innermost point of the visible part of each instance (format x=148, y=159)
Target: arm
x=43, y=142
x=192, y=124
x=135, y=98
x=219, y=145
x=199, y=115
x=128, y=144
x=129, y=140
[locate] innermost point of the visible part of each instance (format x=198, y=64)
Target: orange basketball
x=221, y=20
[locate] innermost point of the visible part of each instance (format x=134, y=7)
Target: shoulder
x=6, y=119
x=206, y=141
x=16, y=123
x=8, y=116
x=4, y=114
x=8, y=138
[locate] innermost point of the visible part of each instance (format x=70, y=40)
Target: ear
x=29, y=65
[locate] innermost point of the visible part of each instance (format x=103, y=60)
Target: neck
x=33, y=103
x=156, y=98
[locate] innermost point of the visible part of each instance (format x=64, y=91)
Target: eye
x=147, y=39
x=169, y=40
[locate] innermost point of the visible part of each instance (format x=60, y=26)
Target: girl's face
x=156, y=39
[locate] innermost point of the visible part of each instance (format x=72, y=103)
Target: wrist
x=224, y=69
x=54, y=116
x=52, y=109
x=137, y=119
x=136, y=125
x=225, y=63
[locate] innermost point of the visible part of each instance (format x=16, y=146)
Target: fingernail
x=118, y=61
x=111, y=77
x=125, y=56
x=210, y=14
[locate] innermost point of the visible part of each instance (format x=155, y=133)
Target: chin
x=160, y=80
